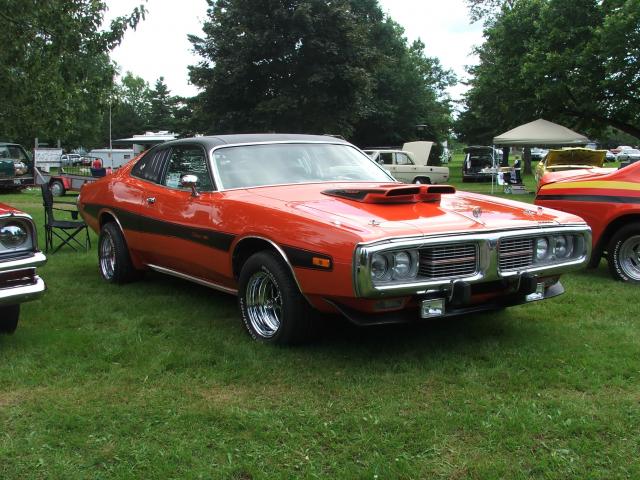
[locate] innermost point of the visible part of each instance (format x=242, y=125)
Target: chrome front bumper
x=487, y=268
x=20, y=293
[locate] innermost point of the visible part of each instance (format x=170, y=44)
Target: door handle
x=151, y=200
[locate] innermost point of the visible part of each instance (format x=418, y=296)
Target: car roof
x=217, y=140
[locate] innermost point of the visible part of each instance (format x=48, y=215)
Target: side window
x=403, y=159
x=150, y=166
x=387, y=158
x=187, y=160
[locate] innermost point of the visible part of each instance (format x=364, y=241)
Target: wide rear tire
x=9, y=316
x=273, y=309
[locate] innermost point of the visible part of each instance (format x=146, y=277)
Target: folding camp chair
x=65, y=230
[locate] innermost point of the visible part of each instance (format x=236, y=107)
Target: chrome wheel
x=264, y=304
x=630, y=257
x=107, y=257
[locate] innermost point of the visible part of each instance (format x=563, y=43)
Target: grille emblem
x=477, y=212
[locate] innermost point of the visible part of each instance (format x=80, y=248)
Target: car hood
x=456, y=212
x=576, y=157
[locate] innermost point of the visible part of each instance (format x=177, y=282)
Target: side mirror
x=190, y=181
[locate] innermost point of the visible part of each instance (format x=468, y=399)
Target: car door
x=185, y=228
x=405, y=170
x=386, y=160
x=133, y=197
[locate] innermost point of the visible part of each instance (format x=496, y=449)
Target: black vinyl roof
x=217, y=140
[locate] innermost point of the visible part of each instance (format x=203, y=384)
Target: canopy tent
x=540, y=133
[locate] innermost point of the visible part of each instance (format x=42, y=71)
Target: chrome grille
x=515, y=253
x=443, y=261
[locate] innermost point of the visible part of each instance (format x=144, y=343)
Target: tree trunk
x=505, y=157
x=526, y=159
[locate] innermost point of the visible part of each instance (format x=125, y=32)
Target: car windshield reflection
x=277, y=164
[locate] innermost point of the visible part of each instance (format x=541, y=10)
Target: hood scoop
x=393, y=194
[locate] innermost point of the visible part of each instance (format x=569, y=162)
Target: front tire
x=114, y=260
x=624, y=254
x=273, y=309
x=9, y=316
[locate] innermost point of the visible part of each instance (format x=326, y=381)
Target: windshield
x=284, y=163
x=13, y=152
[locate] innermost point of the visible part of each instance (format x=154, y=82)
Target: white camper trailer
x=112, y=158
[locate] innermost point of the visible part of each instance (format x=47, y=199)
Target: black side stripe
x=591, y=198
x=140, y=223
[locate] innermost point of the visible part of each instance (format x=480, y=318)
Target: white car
x=402, y=165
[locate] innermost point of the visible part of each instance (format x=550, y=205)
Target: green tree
x=55, y=70
x=337, y=67
x=162, y=107
x=130, y=104
x=575, y=63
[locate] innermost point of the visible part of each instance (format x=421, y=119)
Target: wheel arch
x=610, y=230
x=249, y=245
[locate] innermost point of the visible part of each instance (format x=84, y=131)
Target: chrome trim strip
x=220, y=186
x=280, y=251
x=115, y=217
x=193, y=279
x=488, y=269
x=36, y=260
x=420, y=237
x=14, y=295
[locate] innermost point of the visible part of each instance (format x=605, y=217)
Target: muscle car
x=19, y=258
x=569, y=159
x=609, y=200
x=295, y=224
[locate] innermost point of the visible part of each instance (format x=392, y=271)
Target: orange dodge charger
x=296, y=224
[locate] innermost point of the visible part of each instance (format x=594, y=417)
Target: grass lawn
x=157, y=379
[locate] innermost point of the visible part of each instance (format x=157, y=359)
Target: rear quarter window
x=151, y=165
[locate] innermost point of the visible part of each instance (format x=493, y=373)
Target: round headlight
x=402, y=264
x=542, y=248
x=563, y=246
x=379, y=266
x=13, y=235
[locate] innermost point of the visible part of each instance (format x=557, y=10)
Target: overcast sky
x=159, y=46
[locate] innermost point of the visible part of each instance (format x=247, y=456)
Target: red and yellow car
x=609, y=200
x=19, y=258
x=297, y=223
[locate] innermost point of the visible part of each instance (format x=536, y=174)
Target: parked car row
x=298, y=225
